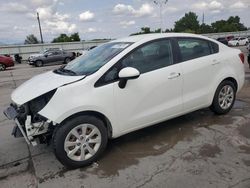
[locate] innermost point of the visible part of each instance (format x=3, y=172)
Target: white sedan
x=238, y=41
x=122, y=86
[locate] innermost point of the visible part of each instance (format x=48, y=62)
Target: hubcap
x=67, y=60
x=82, y=142
x=226, y=97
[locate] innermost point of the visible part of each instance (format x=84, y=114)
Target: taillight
x=242, y=57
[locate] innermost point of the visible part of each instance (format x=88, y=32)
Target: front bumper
x=30, y=62
x=11, y=113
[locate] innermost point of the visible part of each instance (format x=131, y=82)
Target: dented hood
x=40, y=85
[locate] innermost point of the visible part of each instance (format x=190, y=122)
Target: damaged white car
x=123, y=86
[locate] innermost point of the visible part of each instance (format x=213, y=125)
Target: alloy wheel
x=226, y=97
x=82, y=142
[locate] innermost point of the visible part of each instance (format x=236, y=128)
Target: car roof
x=137, y=38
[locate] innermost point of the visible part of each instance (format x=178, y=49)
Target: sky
x=105, y=18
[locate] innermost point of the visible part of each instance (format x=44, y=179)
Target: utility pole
x=38, y=19
x=203, y=18
x=160, y=3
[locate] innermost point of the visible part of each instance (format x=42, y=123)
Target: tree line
x=189, y=23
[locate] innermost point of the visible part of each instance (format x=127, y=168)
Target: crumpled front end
x=28, y=122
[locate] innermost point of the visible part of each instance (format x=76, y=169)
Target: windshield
x=95, y=58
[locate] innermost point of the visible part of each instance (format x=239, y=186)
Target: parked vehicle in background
x=6, y=61
x=83, y=52
x=230, y=37
x=122, y=86
x=248, y=56
x=248, y=46
x=223, y=40
x=51, y=56
x=239, y=41
x=18, y=58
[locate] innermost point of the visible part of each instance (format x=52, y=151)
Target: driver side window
x=149, y=57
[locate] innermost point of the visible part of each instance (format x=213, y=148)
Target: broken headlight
x=38, y=104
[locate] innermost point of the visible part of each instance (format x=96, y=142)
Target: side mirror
x=128, y=73
x=46, y=55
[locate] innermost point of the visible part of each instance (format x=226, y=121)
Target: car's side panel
x=83, y=96
x=74, y=98
x=150, y=98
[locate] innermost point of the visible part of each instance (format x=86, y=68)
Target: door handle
x=174, y=75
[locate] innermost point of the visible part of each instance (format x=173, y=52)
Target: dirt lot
x=195, y=150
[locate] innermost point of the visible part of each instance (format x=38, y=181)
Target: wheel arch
x=99, y=115
x=39, y=60
x=229, y=78
x=233, y=80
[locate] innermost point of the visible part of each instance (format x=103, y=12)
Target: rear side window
x=214, y=47
x=191, y=48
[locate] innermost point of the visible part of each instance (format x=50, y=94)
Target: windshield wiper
x=63, y=70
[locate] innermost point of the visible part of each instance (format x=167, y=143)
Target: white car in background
x=122, y=86
x=239, y=41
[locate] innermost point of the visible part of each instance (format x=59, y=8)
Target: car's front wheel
x=38, y=63
x=224, y=97
x=80, y=141
x=67, y=60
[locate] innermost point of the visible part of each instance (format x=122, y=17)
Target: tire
x=2, y=67
x=224, y=98
x=39, y=63
x=67, y=60
x=82, y=146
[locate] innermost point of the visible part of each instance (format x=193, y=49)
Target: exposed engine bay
x=29, y=123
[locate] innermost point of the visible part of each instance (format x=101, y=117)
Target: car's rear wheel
x=224, y=97
x=67, y=60
x=2, y=67
x=80, y=141
x=39, y=63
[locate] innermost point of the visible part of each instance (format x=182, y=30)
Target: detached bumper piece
x=12, y=114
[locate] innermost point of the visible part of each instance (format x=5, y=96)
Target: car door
x=53, y=57
x=153, y=97
x=200, y=64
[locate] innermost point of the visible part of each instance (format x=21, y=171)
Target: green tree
x=229, y=25
x=65, y=38
x=75, y=37
x=146, y=30
x=188, y=23
x=31, y=39
x=61, y=38
x=204, y=28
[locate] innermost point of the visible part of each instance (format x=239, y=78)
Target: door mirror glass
x=126, y=74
